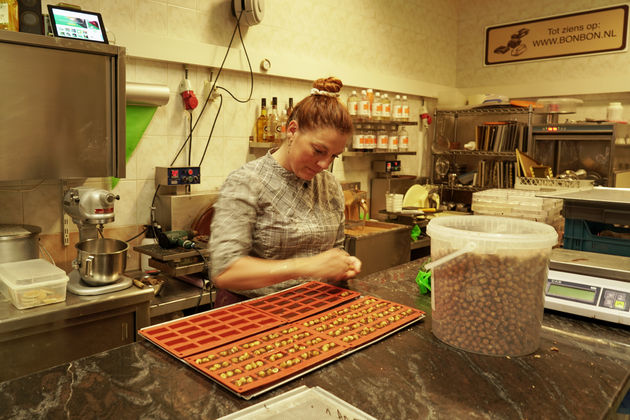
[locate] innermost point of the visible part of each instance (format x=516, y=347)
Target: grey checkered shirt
x=266, y=211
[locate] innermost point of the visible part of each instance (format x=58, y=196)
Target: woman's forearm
x=248, y=273
x=252, y=273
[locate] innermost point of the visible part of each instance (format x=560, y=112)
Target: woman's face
x=310, y=152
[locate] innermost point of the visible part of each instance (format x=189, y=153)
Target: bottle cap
x=397, y=96
x=263, y=101
x=405, y=97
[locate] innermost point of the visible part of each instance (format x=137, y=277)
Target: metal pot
x=19, y=242
x=101, y=261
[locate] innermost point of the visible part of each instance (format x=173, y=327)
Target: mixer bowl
x=101, y=261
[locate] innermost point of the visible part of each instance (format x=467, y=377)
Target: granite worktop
x=580, y=371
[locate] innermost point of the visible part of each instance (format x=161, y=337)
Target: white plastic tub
x=488, y=282
x=32, y=283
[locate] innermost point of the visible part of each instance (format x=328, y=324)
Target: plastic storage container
x=584, y=235
x=487, y=283
x=32, y=283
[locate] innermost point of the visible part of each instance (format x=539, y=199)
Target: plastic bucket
x=488, y=279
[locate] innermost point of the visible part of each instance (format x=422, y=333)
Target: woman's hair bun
x=329, y=84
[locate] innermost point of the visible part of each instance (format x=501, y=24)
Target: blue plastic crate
x=582, y=235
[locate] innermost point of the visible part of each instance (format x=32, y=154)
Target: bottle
x=377, y=107
x=283, y=125
x=386, y=114
x=290, y=108
x=405, y=108
x=353, y=104
x=9, y=15
x=364, y=105
x=382, y=138
x=357, y=138
x=614, y=112
x=261, y=122
x=403, y=139
x=272, y=122
x=370, y=141
x=397, y=109
x=370, y=96
x=392, y=140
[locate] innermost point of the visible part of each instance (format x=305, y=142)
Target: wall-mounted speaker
x=30, y=16
x=252, y=11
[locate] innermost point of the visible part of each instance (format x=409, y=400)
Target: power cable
x=236, y=27
x=212, y=129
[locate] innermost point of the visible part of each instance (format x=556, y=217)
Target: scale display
x=571, y=292
x=589, y=296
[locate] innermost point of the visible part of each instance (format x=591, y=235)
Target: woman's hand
x=334, y=264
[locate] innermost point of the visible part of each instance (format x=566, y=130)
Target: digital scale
x=589, y=284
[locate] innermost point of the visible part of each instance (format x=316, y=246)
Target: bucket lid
x=495, y=231
x=9, y=232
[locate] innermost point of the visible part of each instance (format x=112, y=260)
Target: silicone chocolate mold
x=362, y=320
x=303, y=300
x=267, y=358
x=196, y=333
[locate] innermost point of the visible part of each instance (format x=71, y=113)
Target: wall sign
x=588, y=32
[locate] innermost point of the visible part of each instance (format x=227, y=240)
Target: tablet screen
x=77, y=24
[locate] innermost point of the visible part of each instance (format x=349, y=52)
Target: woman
x=279, y=219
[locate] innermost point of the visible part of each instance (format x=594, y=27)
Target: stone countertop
x=581, y=370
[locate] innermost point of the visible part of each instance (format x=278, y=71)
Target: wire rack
x=546, y=184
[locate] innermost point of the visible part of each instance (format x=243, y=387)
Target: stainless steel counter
x=37, y=338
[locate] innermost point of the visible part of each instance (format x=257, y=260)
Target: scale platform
x=79, y=287
x=589, y=284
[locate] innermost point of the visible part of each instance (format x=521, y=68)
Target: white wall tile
x=182, y=23
x=151, y=17
x=125, y=209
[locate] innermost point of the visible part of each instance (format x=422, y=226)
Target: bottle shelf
x=374, y=153
x=498, y=109
x=370, y=122
x=257, y=145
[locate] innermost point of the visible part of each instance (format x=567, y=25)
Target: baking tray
x=303, y=300
x=196, y=333
x=304, y=403
x=219, y=361
x=218, y=342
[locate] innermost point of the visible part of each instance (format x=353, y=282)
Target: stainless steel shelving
x=480, y=153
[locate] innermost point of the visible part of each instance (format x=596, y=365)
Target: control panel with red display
x=181, y=175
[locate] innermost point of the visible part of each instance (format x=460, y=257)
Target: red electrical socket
x=188, y=95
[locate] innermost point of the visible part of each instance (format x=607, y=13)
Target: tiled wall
x=396, y=38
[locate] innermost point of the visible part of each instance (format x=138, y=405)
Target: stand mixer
x=101, y=261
